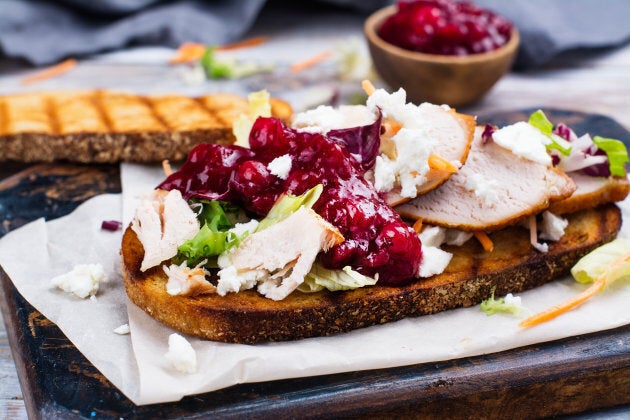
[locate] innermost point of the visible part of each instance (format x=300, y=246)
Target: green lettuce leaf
x=616, y=152
x=288, y=204
x=320, y=278
x=492, y=306
x=216, y=68
x=610, y=261
x=215, y=235
x=539, y=120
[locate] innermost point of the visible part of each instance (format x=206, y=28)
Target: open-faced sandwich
x=361, y=215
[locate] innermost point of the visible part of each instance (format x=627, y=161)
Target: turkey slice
x=494, y=189
x=591, y=192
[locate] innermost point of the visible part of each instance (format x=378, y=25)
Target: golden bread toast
x=248, y=317
x=104, y=127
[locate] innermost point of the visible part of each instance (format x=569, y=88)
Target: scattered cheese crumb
x=181, y=354
x=122, y=330
x=485, y=189
x=280, y=166
x=83, y=280
x=552, y=226
x=524, y=140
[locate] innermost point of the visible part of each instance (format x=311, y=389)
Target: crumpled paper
x=135, y=363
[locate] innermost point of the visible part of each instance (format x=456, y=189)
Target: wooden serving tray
x=568, y=376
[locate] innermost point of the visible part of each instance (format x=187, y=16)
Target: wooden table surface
x=591, y=82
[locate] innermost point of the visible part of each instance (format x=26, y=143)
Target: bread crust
x=106, y=127
x=250, y=318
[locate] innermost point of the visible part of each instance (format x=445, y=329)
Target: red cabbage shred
x=377, y=240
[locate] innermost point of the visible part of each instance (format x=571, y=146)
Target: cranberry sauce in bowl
x=445, y=27
x=377, y=240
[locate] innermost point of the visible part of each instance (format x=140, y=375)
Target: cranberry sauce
x=376, y=238
x=445, y=27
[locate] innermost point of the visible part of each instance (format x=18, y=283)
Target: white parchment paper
x=135, y=363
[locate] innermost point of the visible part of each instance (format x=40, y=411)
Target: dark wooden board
x=573, y=375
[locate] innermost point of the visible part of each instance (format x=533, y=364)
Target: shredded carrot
x=50, y=72
x=187, y=52
x=310, y=62
x=390, y=128
x=563, y=307
x=368, y=87
x=484, y=240
x=439, y=163
x=575, y=301
x=417, y=226
x=166, y=167
x=250, y=42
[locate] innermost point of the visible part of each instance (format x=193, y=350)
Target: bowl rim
x=376, y=19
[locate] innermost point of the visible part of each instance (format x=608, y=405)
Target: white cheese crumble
x=552, y=226
x=485, y=189
x=413, y=144
x=122, y=330
x=524, y=140
x=280, y=166
x=512, y=300
x=325, y=118
x=83, y=280
x=181, y=354
x=434, y=260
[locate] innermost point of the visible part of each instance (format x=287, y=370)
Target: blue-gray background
x=46, y=31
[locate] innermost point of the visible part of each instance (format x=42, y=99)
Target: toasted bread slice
x=104, y=127
x=248, y=317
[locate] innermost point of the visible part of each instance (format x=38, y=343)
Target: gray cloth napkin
x=46, y=31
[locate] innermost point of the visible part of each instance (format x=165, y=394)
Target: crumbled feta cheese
x=231, y=281
x=122, y=330
x=512, y=300
x=524, y=140
x=541, y=247
x=484, y=189
x=325, y=118
x=83, y=280
x=434, y=261
x=239, y=229
x=280, y=166
x=413, y=143
x=181, y=354
x=432, y=236
x=552, y=226
x=409, y=168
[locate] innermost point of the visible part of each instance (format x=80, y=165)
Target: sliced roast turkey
x=591, y=192
x=494, y=189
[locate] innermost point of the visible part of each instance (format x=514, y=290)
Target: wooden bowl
x=439, y=79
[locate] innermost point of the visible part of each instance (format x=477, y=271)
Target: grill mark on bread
x=96, y=99
x=119, y=126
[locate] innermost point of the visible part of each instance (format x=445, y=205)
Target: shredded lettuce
x=231, y=68
x=508, y=304
x=616, y=152
x=320, y=278
x=215, y=236
x=610, y=262
x=288, y=204
x=539, y=120
x=259, y=106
